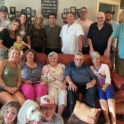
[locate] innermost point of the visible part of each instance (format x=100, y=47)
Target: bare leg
x=61, y=109
x=6, y=97
x=111, y=104
x=104, y=107
x=19, y=97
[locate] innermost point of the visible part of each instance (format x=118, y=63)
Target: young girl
x=8, y=113
x=20, y=44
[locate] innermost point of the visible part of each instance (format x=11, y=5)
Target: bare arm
x=2, y=46
x=80, y=45
x=19, y=77
x=27, y=45
x=90, y=84
x=90, y=45
x=61, y=43
x=29, y=40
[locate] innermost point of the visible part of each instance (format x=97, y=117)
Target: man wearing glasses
x=85, y=23
x=99, y=33
x=80, y=79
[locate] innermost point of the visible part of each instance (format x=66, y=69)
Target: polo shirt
x=69, y=36
x=119, y=33
x=85, y=26
x=98, y=37
x=79, y=75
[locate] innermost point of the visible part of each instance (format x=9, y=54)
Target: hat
x=4, y=9
x=109, y=11
x=47, y=100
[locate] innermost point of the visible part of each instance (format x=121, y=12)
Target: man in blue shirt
x=80, y=80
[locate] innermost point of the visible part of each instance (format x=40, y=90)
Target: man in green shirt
x=52, y=35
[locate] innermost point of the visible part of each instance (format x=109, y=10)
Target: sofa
x=117, y=80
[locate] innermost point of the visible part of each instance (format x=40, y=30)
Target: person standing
x=99, y=33
x=71, y=36
x=3, y=17
x=85, y=23
x=52, y=35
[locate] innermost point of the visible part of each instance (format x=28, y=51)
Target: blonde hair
x=10, y=26
x=40, y=16
x=95, y=54
x=52, y=54
x=14, y=104
x=13, y=47
x=78, y=53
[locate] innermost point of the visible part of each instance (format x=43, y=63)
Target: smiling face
x=78, y=59
x=23, y=19
x=96, y=61
x=3, y=14
x=100, y=18
x=48, y=112
x=10, y=115
x=53, y=60
x=15, y=26
x=83, y=13
x=30, y=56
x=70, y=18
x=52, y=19
x=19, y=39
x=108, y=16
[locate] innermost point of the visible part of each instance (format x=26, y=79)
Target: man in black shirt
x=99, y=33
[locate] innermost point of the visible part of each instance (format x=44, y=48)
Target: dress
x=80, y=76
x=37, y=37
x=103, y=76
x=55, y=78
x=69, y=36
x=9, y=76
x=34, y=74
x=18, y=45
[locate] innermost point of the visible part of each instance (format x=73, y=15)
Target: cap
x=4, y=9
x=47, y=100
x=109, y=11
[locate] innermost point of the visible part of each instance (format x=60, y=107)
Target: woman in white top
x=105, y=90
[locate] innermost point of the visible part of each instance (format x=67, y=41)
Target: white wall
x=92, y=6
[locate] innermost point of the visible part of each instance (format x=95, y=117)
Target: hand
x=72, y=87
x=43, y=82
x=63, y=87
x=107, y=54
x=89, y=85
x=9, y=89
x=28, y=81
x=29, y=47
x=104, y=87
x=91, y=50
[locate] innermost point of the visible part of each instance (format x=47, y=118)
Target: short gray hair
x=95, y=54
x=78, y=53
x=52, y=54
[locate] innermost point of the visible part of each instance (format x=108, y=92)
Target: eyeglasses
x=78, y=59
x=83, y=11
x=100, y=17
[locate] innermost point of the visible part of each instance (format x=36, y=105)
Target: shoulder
x=89, y=21
x=3, y=62
x=39, y=65
x=5, y=31
x=57, y=117
x=61, y=65
x=22, y=64
x=47, y=26
x=57, y=26
x=70, y=65
x=105, y=66
x=107, y=24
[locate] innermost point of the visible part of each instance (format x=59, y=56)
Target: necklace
x=97, y=69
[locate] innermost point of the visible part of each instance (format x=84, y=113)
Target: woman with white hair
x=105, y=90
x=36, y=34
x=53, y=77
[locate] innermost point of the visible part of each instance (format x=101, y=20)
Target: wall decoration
x=28, y=10
x=48, y=6
x=17, y=13
x=66, y=10
x=23, y=10
x=33, y=13
x=73, y=9
x=64, y=15
x=12, y=10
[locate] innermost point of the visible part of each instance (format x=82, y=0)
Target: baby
x=20, y=43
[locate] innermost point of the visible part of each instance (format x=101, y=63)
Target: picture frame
x=23, y=10
x=65, y=21
x=12, y=10
x=11, y=16
x=33, y=13
x=64, y=15
x=28, y=10
x=17, y=13
x=66, y=10
x=77, y=11
x=73, y=9
x=76, y=15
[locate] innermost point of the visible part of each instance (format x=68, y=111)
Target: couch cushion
x=42, y=58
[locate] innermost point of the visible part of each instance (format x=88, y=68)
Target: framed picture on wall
x=11, y=16
x=64, y=15
x=73, y=9
x=76, y=15
x=33, y=13
x=65, y=21
x=23, y=10
x=28, y=10
x=77, y=11
x=17, y=13
x=66, y=10
x=12, y=10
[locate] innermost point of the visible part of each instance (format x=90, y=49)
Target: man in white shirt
x=3, y=17
x=85, y=23
x=71, y=36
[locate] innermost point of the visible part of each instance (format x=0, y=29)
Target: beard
x=108, y=19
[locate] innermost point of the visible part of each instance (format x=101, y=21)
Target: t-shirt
x=102, y=74
x=114, y=24
x=79, y=75
x=57, y=119
x=85, y=25
x=98, y=37
x=7, y=40
x=119, y=33
x=52, y=36
x=18, y=45
x=5, y=23
x=69, y=37
x=33, y=74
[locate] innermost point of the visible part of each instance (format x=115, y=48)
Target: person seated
x=31, y=74
x=8, y=113
x=47, y=108
x=20, y=44
x=105, y=90
x=80, y=79
x=10, y=78
x=53, y=77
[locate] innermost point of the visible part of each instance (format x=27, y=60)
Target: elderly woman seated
x=31, y=74
x=53, y=77
x=105, y=90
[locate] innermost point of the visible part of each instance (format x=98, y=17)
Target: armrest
x=117, y=80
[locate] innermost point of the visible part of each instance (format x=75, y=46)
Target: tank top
x=10, y=75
